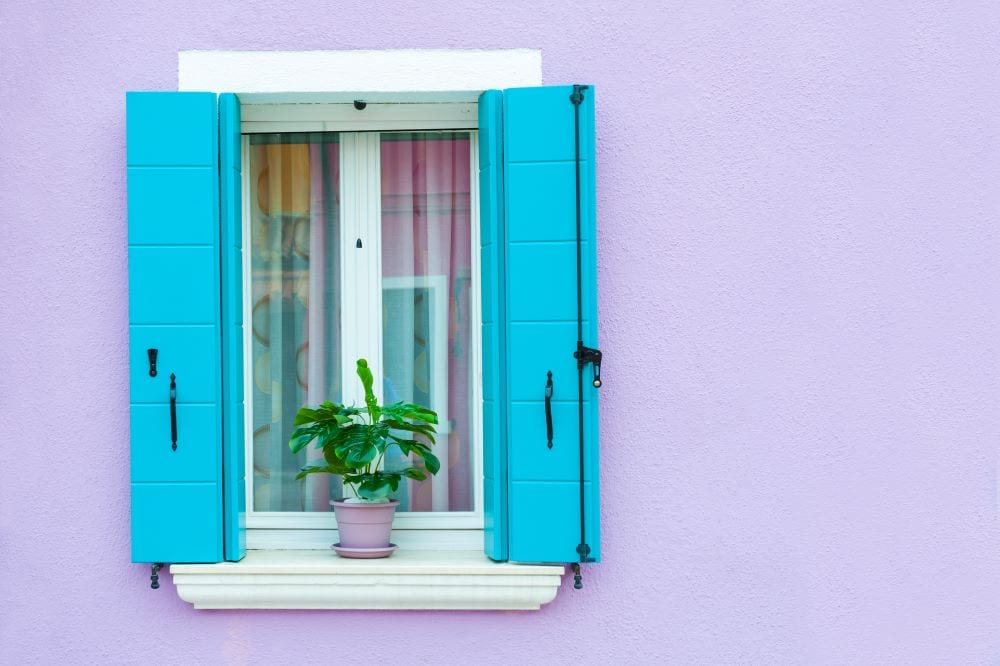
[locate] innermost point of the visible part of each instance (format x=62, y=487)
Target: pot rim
x=342, y=501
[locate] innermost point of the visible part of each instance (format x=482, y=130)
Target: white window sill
x=409, y=580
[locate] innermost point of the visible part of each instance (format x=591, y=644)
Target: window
x=185, y=202
x=360, y=243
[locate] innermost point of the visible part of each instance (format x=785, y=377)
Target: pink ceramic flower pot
x=364, y=526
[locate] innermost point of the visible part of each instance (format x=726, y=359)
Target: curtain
x=295, y=290
x=427, y=271
x=294, y=286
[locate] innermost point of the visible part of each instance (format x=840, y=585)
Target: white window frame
x=361, y=218
x=390, y=75
x=419, y=576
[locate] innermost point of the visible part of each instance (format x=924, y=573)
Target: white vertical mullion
x=476, y=329
x=360, y=268
x=248, y=367
x=374, y=233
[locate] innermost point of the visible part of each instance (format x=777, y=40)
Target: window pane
x=426, y=327
x=295, y=318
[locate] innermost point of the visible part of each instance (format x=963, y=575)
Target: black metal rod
x=582, y=549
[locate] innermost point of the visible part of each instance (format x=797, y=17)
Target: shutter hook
x=155, y=577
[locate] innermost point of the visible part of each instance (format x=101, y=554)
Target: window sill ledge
x=409, y=580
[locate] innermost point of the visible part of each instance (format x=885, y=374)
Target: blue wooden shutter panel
x=231, y=257
x=173, y=255
x=535, y=231
x=492, y=264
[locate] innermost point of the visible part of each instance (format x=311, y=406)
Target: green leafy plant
x=354, y=440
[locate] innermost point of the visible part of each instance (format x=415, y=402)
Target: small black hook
x=155, y=577
x=152, y=361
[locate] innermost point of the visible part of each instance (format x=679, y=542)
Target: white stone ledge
x=409, y=580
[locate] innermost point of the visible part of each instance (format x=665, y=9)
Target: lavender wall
x=798, y=245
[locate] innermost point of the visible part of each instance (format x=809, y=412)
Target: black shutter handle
x=173, y=412
x=548, y=409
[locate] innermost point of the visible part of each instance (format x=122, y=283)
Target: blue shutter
x=234, y=470
x=535, y=233
x=494, y=331
x=174, y=291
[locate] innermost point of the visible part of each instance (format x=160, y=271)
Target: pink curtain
x=426, y=231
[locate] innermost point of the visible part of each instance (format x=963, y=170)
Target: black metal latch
x=585, y=355
x=152, y=353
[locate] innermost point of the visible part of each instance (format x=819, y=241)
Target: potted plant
x=354, y=442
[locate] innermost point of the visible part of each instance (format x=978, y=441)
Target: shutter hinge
x=584, y=552
x=577, y=96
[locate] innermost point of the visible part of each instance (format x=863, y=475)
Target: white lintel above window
x=340, y=75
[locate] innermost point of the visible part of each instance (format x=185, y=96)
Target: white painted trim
x=248, y=366
x=320, y=539
x=360, y=268
x=397, y=70
x=408, y=580
x=475, y=330
x=404, y=520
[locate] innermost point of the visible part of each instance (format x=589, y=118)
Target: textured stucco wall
x=798, y=247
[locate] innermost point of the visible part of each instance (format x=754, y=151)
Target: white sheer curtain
x=295, y=291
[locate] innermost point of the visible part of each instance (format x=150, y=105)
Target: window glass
x=426, y=306
x=297, y=302
x=294, y=286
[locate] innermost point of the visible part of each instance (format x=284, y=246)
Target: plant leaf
x=415, y=473
x=367, y=380
x=411, y=411
x=375, y=487
x=306, y=415
x=431, y=462
x=421, y=429
x=300, y=438
x=360, y=455
x=315, y=469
